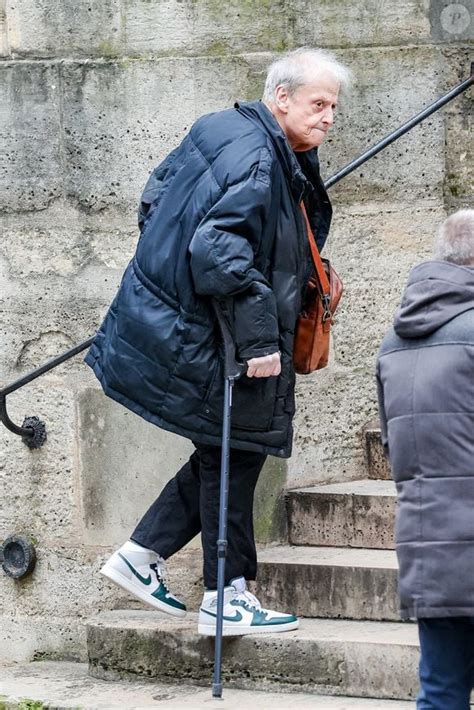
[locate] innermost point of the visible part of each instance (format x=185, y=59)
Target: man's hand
x=266, y=366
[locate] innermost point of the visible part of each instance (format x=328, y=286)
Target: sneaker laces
x=249, y=599
x=160, y=570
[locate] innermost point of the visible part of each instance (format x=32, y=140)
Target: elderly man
x=220, y=218
x=426, y=394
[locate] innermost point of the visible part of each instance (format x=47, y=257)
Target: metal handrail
x=404, y=128
x=33, y=431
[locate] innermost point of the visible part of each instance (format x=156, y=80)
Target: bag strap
x=318, y=264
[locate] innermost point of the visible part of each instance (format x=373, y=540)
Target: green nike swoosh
x=236, y=617
x=143, y=580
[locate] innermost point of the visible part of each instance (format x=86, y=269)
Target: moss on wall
x=269, y=509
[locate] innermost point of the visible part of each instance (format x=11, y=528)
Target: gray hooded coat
x=425, y=376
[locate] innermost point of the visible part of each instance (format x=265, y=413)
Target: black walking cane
x=232, y=371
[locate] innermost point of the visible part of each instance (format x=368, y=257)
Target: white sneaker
x=243, y=613
x=142, y=573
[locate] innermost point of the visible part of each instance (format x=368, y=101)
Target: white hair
x=455, y=242
x=300, y=67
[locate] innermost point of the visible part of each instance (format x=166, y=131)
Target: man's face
x=307, y=116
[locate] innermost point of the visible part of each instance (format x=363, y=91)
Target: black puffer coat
x=218, y=218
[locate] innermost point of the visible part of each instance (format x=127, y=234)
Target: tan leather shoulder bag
x=323, y=292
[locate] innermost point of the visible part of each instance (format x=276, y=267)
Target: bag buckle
x=327, y=315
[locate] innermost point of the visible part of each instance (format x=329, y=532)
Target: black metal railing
x=33, y=430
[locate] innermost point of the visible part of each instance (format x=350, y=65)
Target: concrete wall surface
x=92, y=97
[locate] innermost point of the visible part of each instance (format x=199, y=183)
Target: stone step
x=378, y=466
x=65, y=684
x=354, y=514
x=331, y=582
x=355, y=658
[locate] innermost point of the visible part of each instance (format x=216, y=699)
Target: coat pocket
x=253, y=401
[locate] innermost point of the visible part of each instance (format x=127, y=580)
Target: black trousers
x=189, y=504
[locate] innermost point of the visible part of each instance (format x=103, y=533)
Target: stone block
x=122, y=118
x=198, y=27
x=57, y=281
x=344, y=24
x=25, y=637
x=50, y=682
x=37, y=487
x=119, y=118
x=44, y=320
x=38, y=245
x=378, y=465
x=4, y=49
x=363, y=659
x=125, y=463
x=329, y=582
x=353, y=514
x=459, y=175
x=270, y=520
x=412, y=167
x=48, y=28
x=30, y=159
x=190, y=27
x=374, y=251
x=42, y=615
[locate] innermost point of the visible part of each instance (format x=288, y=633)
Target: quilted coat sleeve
x=223, y=252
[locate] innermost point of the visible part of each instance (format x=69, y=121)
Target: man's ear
x=282, y=98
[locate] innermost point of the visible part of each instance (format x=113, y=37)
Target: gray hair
x=297, y=68
x=455, y=242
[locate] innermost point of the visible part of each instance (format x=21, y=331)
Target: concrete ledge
x=353, y=514
x=67, y=685
x=364, y=659
x=329, y=582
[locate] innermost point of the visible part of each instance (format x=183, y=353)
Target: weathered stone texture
x=38, y=488
x=120, y=27
x=4, y=49
x=30, y=163
x=50, y=682
x=377, y=464
x=355, y=514
x=113, y=121
x=57, y=28
x=60, y=269
x=341, y=657
x=333, y=582
x=43, y=615
x=121, y=475
x=128, y=116
x=459, y=122
x=412, y=166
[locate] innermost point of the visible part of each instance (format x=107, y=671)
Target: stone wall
x=92, y=97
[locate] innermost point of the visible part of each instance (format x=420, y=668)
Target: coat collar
x=301, y=168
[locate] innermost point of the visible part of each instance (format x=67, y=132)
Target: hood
x=299, y=167
x=437, y=292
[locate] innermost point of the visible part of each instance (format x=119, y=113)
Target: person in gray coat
x=425, y=378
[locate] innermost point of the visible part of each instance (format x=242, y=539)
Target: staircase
x=339, y=572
